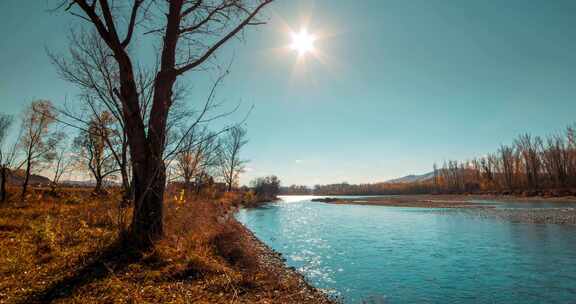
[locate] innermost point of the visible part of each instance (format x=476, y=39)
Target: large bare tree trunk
x=149, y=188
x=149, y=168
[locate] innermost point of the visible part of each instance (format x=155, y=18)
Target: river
x=382, y=254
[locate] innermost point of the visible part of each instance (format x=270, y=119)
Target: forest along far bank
x=531, y=166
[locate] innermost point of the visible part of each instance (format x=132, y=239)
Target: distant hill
x=16, y=178
x=412, y=178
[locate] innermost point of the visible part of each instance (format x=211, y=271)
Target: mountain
x=412, y=178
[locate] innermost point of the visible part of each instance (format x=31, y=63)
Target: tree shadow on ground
x=101, y=264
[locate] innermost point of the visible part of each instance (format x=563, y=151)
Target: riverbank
x=67, y=250
x=438, y=200
x=472, y=205
x=400, y=201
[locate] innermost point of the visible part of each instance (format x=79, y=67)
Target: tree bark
x=26, y=181
x=98, y=188
x=149, y=186
x=149, y=169
x=4, y=176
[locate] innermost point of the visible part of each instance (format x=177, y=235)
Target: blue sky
x=402, y=84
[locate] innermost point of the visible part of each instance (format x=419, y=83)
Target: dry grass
x=66, y=249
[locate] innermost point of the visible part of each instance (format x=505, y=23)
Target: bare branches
x=208, y=53
x=37, y=141
x=231, y=164
x=188, y=28
x=132, y=23
x=94, y=147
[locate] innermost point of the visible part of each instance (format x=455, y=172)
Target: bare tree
x=231, y=165
x=91, y=66
x=91, y=146
x=555, y=158
x=266, y=188
x=61, y=161
x=529, y=149
x=571, y=154
x=508, y=162
x=37, y=142
x=189, y=157
x=191, y=32
x=7, y=155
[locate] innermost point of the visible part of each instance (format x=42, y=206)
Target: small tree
x=37, y=142
x=94, y=152
x=61, y=161
x=197, y=156
x=231, y=165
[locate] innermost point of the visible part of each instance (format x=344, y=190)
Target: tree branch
x=231, y=34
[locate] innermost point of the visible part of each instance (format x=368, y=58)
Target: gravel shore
x=273, y=261
x=558, y=216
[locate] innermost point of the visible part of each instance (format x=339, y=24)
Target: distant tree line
x=359, y=189
x=531, y=165
x=295, y=190
x=372, y=189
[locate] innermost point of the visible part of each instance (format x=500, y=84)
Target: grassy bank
x=66, y=249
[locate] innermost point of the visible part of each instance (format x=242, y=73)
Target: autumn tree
x=196, y=157
x=230, y=162
x=37, y=141
x=91, y=146
x=555, y=159
x=529, y=150
x=190, y=33
x=91, y=67
x=61, y=160
x=508, y=163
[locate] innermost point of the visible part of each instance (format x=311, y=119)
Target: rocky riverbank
x=301, y=292
x=471, y=205
x=557, y=216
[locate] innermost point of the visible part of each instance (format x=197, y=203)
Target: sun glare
x=302, y=42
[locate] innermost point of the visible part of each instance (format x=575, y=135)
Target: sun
x=302, y=42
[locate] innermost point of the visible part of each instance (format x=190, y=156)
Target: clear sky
x=400, y=84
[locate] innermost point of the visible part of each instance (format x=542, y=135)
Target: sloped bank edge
x=274, y=261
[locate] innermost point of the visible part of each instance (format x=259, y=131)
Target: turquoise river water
x=382, y=254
